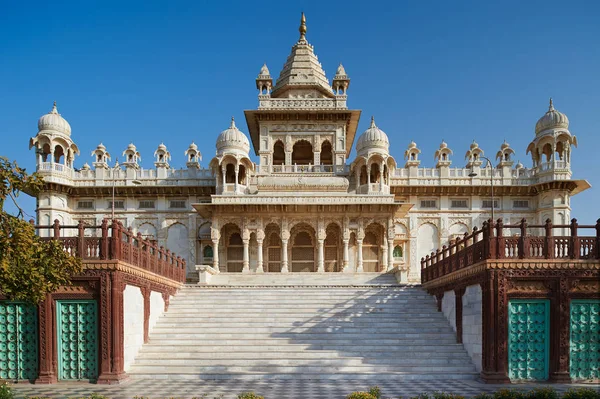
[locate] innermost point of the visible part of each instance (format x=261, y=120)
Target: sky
x=175, y=72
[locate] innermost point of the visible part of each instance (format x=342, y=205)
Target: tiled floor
x=276, y=389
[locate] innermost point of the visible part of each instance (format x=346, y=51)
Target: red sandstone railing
x=115, y=242
x=489, y=242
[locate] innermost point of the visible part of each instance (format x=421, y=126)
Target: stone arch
x=398, y=251
x=242, y=175
x=59, y=153
x=178, y=240
x=272, y=248
x=45, y=152
x=229, y=173
x=302, y=153
x=457, y=230
x=303, y=248
x=232, y=246
x=363, y=175
x=326, y=153
x=374, y=236
x=278, y=153
x=148, y=231
x=428, y=239
x=333, y=247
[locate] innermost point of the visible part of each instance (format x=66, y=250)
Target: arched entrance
x=371, y=248
x=332, y=248
x=273, y=249
x=302, y=153
x=303, y=249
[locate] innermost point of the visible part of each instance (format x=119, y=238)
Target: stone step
x=301, y=362
x=294, y=331
x=311, y=369
x=295, y=279
x=363, y=375
x=217, y=326
x=315, y=342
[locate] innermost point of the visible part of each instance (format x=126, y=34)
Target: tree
x=30, y=267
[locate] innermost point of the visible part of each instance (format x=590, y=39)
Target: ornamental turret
x=411, y=155
x=193, y=156
x=473, y=155
x=264, y=81
x=442, y=155
x=341, y=81
x=53, y=144
x=551, y=148
x=101, y=157
x=504, y=156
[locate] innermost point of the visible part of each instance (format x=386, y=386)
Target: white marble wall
x=157, y=308
x=449, y=308
x=472, y=323
x=133, y=328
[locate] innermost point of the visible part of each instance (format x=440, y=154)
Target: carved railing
x=115, y=242
x=489, y=242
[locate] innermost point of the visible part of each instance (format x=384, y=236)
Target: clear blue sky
x=177, y=71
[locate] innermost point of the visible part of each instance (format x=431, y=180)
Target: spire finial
x=372, y=121
x=232, y=126
x=54, y=109
x=551, y=107
x=302, y=27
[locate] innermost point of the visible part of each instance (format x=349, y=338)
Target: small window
x=85, y=205
x=208, y=252
x=146, y=204
x=176, y=204
x=522, y=204
x=487, y=204
x=431, y=203
x=459, y=203
x=119, y=204
x=397, y=251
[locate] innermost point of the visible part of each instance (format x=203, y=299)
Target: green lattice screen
x=528, y=339
x=585, y=339
x=77, y=340
x=18, y=341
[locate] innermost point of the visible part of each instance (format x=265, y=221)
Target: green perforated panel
x=528, y=339
x=18, y=341
x=585, y=339
x=77, y=340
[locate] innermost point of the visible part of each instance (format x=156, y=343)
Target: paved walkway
x=276, y=389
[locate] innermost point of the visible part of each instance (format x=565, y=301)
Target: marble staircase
x=333, y=331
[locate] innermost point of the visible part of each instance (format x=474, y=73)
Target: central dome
x=372, y=138
x=552, y=119
x=233, y=139
x=52, y=121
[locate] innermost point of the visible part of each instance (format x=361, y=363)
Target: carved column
x=390, y=259
x=246, y=261
x=224, y=171
x=381, y=176
x=237, y=172
x=215, y=235
x=359, y=255
x=285, y=236
x=46, y=373
x=559, y=334
x=260, y=236
x=368, y=179
x=284, y=256
x=384, y=255
x=146, y=294
x=458, y=313
x=345, y=259
x=321, y=256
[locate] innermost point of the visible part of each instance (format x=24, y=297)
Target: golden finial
x=302, y=28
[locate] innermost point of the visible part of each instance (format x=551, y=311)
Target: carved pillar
x=259, y=260
x=458, y=313
x=224, y=171
x=390, y=260
x=237, y=172
x=381, y=176
x=559, y=334
x=146, y=294
x=359, y=255
x=284, y=256
x=285, y=236
x=246, y=261
x=384, y=255
x=321, y=256
x=112, y=364
x=368, y=179
x=346, y=255
x=494, y=360
x=46, y=373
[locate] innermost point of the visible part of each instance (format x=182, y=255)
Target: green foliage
x=91, y=396
x=249, y=395
x=443, y=395
x=542, y=393
x=581, y=393
x=483, y=395
x=29, y=266
x=510, y=394
x=375, y=391
x=6, y=391
x=360, y=395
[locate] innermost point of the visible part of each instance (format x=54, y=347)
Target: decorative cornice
x=129, y=269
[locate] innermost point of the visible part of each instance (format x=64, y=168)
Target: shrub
x=510, y=394
x=360, y=395
x=249, y=395
x=483, y=395
x=375, y=391
x=421, y=396
x=542, y=393
x=443, y=395
x=581, y=393
x=6, y=391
